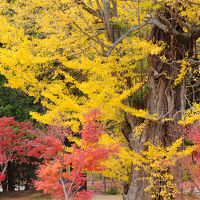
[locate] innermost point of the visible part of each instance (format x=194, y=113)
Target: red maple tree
x=13, y=142
x=192, y=162
x=62, y=173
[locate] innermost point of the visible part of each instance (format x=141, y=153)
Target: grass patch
x=113, y=191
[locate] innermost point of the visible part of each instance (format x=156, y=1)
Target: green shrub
x=113, y=191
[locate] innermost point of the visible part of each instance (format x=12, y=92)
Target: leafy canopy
x=69, y=53
x=56, y=51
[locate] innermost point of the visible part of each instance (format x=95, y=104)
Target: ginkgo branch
x=97, y=41
x=132, y=29
x=154, y=21
x=88, y=9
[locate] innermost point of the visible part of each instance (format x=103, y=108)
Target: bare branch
x=169, y=111
x=61, y=179
x=5, y=167
x=178, y=112
x=192, y=3
x=123, y=36
x=88, y=9
x=84, y=32
x=78, y=53
x=154, y=21
x=192, y=61
x=195, y=30
x=70, y=187
x=97, y=41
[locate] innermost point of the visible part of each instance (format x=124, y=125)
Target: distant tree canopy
x=14, y=102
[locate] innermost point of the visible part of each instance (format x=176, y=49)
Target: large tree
x=76, y=55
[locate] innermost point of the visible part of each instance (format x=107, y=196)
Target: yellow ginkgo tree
x=77, y=55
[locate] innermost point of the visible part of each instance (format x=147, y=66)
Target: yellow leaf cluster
x=184, y=67
x=118, y=166
x=157, y=162
x=192, y=115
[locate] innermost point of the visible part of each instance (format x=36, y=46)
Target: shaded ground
x=23, y=195
x=29, y=195
x=98, y=186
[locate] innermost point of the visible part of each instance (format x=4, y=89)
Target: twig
x=168, y=111
x=70, y=187
x=102, y=44
x=85, y=32
x=180, y=111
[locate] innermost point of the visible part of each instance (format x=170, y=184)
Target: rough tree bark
x=164, y=98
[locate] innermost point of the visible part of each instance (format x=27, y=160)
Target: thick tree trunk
x=10, y=176
x=164, y=98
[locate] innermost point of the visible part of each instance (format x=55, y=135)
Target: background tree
x=191, y=164
x=13, y=143
x=14, y=102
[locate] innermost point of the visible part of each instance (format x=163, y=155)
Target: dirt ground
x=106, y=197
x=29, y=195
